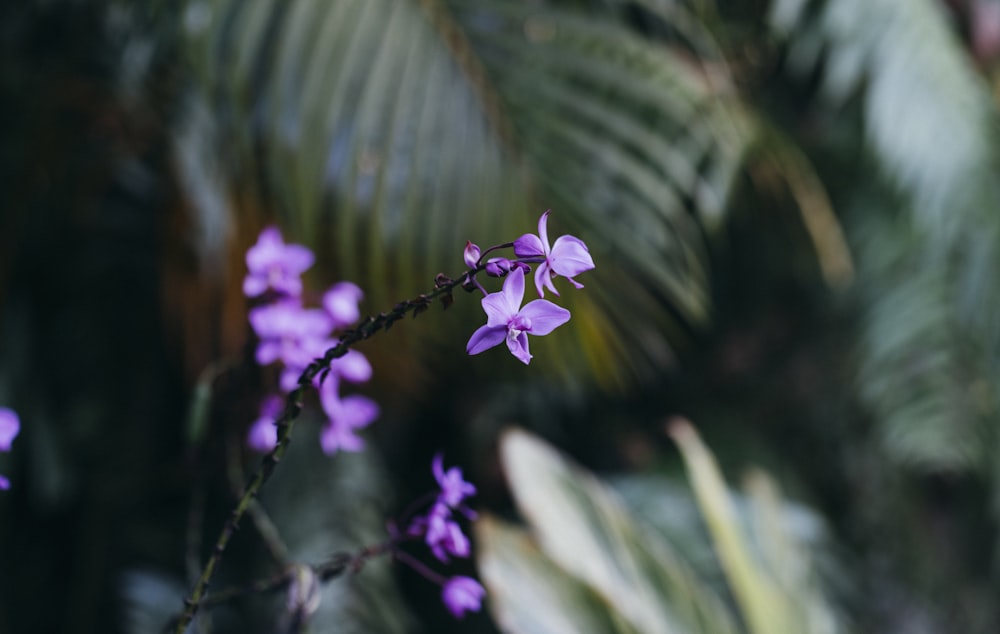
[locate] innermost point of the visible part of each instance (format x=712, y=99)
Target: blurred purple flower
x=263, y=435
x=10, y=426
x=569, y=256
x=505, y=319
x=274, y=264
x=345, y=415
x=440, y=532
x=341, y=303
x=353, y=367
x=444, y=536
x=454, y=489
x=290, y=333
x=462, y=594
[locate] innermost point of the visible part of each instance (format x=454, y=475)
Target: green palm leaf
x=388, y=133
x=929, y=365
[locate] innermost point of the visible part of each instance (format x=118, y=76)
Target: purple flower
x=10, y=426
x=346, y=415
x=453, y=488
x=461, y=595
x=290, y=333
x=569, y=256
x=441, y=533
x=471, y=254
x=505, y=319
x=341, y=303
x=444, y=536
x=263, y=435
x=274, y=264
x=353, y=367
x=497, y=267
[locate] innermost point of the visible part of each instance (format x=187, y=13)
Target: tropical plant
x=794, y=213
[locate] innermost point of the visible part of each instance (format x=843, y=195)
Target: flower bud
x=497, y=267
x=471, y=255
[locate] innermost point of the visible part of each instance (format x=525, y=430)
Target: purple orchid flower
x=274, y=264
x=440, y=532
x=444, y=536
x=263, y=435
x=290, y=333
x=462, y=594
x=10, y=426
x=454, y=488
x=341, y=303
x=505, y=319
x=346, y=415
x=569, y=256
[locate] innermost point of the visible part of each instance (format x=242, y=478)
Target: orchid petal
x=570, y=257
x=545, y=316
x=10, y=426
x=498, y=310
x=336, y=437
x=353, y=367
x=518, y=347
x=543, y=230
x=485, y=338
x=543, y=278
x=297, y=258
x=513, y=289
x=529, y=245
x=437, y=466
x=254, y=285
x=341, y=303
x=358, y=411
x=461, y=595
x=268, y=351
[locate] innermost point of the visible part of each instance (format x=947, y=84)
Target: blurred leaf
x=928, y=115
x=582, y=526
x=582, y=540
x=919, y=368
x=670, y=508
x=775, y=589
x=791, y=558
x=931, y=330
x=767, y=609
x=528, y=593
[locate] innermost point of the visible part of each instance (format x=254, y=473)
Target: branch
x=443, y=288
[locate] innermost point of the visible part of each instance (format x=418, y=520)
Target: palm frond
x=930, y=345
x=921, y=371
x=388, y=133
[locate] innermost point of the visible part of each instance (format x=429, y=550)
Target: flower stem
x=366, y=328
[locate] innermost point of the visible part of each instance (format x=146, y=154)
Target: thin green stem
x=262, y=522
x=337, y=565
x=443, y=288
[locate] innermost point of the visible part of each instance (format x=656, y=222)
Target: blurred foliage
x=586, y=565
x=793, y=207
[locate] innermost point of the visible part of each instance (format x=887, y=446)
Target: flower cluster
x=440, y=531
x=506, y=319
x=10, y=425
x=292, y=335
x=442, y=534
